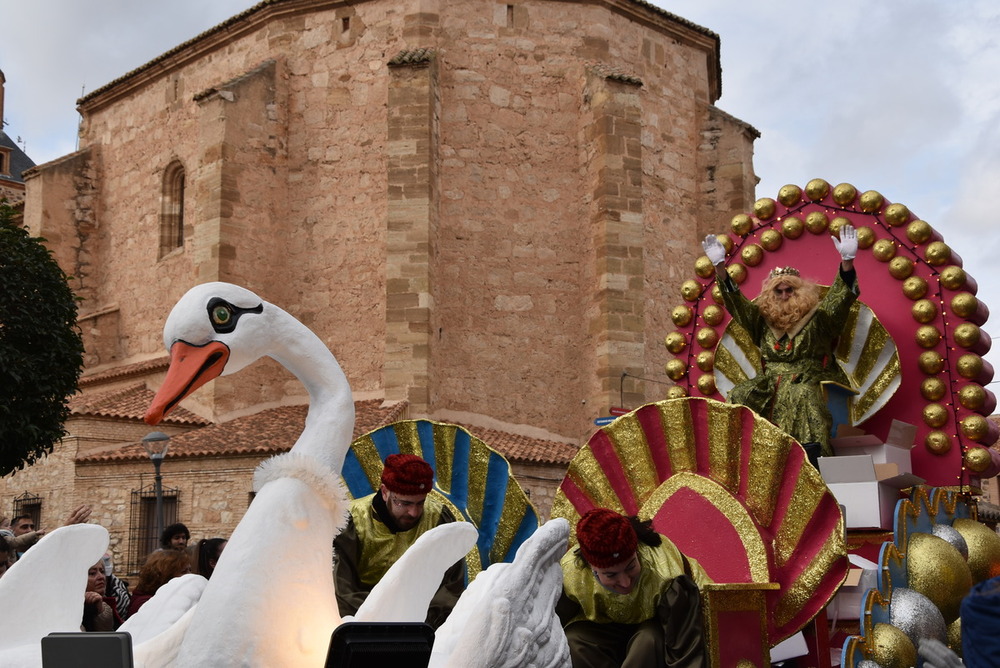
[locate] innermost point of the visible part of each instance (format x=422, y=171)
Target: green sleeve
x=351, y=593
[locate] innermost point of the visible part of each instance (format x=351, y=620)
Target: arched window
x=172, y=208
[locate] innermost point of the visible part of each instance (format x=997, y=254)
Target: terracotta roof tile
x=129, y=402
x=517, y=448
x=118, y=372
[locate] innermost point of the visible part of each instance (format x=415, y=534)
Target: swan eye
x=224, y=315
x=221, y=315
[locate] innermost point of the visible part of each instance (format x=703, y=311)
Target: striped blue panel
x=425, y=431
x=496, y=493
x=460, y=471
x=357, y=482
x=529, y=524
x=385, y=442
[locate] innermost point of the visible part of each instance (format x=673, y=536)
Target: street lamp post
x=156, y=444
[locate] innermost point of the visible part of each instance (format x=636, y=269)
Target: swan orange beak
x=190, y=368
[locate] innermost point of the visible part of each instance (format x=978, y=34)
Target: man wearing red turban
x=382, y=526
x=630, y=598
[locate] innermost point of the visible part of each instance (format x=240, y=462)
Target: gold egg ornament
x=938, y=570
x=984, y=548
x=891, y=648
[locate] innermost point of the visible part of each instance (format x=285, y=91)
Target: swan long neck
x=329, y=426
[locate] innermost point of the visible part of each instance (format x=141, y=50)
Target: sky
x=898, y=96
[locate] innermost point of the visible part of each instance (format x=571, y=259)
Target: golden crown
x=783, y=271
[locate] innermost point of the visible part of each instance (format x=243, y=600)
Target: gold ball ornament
x=964, y=304
x=712, y=315
x=682, y=315
x=690, y=289
x=752, y=255
x=844, y=194
x=870, y=201
x=675, y=342
x=703, y=267
x=706, y=384
x=838, y=223
x=938, y=570
x=954, y=636
x=717, y=294
x=928, y=336
x=737, y=272
x=935, y=415
x=977, y=460
x=915, y=287
x=984, y=548
x=953, y=277
x=771, y=240
x=789, y=194
x=817, y=222
x=931, y=362
x=919, y=231
x=891, y=648
x=937, y=253
x=792, y=227
x=707, y=337
x=967, y=335
x=969, y=366
x=866, y=237
x=896, y=214
x=676, y=369
x=972, y=396
x=932, y=389
x=937, y=442
x=677, y=392
x=817, y=189
x=764, y=208
x=705, y=360
x=900, y=267
x=976, y=428
x=884, y=250
x=726, y=241
x=741, y=224
x=924, y=311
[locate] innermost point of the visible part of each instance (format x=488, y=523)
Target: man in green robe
x=382, y=526
x=796, y=332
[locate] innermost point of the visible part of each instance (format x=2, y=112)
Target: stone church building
x=484, y=208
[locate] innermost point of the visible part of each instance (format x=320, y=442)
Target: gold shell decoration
x=870, y=201
x=866, y=237
x=676, y=369
x=919, y=231
x=924, y=311
x=900, y=267
x=970, y=366
x=682, y=315
x=707, y=337
x=937, y=442
x=792, y=227
x=817, y=222
x=844, y=194
x=967, y=335
x=884, y=250
x=972, y=396
x=713, y=315
x=984, y=548
x=931, y=362
x=690, y=289
x=703, y=267
x=976, y=428
x=741, y=224
x=706, y=384
x=789, y=194
x=771, y=240
x=935, y=415
x=938, y=571
x=915, y=287
x=964, y=304
x=953, y=277
x=752, y=255
x=932, y=389
x=891, y=648
x=928, y=336
x=705, y=360
x=677, y=392
x=737, y=272
x=977, y=460
x=675, y=342
x=764, y=208
x=817, y=189
x=897, y=214
x=937, y=253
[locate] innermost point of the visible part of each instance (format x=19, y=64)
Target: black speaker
x=380, y=644
x=86, y=650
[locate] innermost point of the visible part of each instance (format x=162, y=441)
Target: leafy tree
x=41, y=351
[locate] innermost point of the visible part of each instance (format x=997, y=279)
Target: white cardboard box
x=896, y=449
x=867, y=491
x=861, y=577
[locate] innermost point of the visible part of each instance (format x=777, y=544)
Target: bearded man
x=797, y=333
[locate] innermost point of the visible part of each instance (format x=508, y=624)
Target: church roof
x=19, y=161
x=129, y=403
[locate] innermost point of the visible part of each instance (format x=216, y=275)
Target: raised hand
x=847, y=244
x=714, y=249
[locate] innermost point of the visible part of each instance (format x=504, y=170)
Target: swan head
x=214, y=330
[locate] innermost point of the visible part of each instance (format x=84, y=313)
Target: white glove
x=714, y=249
x=847, y=244
x=937, y=655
